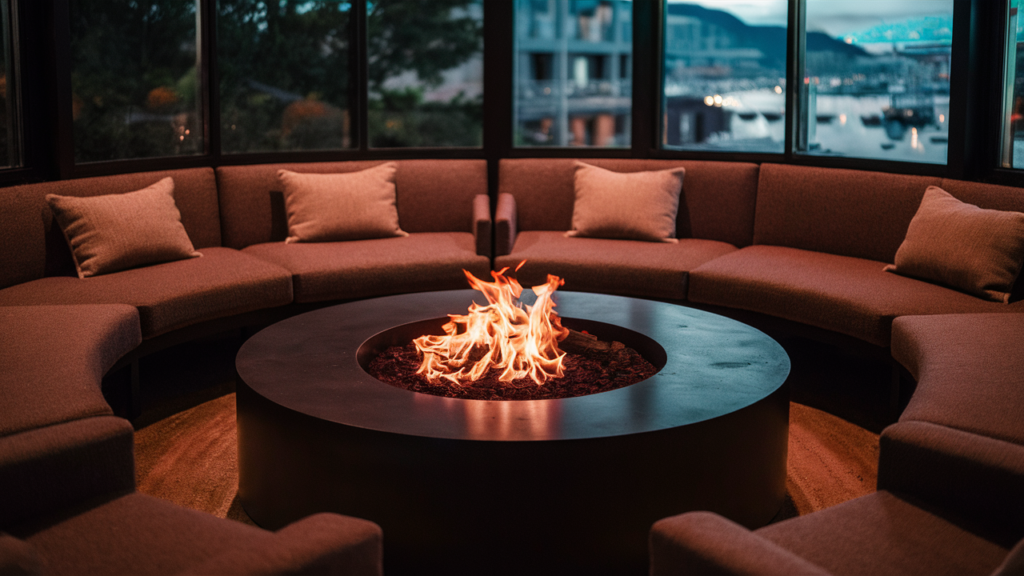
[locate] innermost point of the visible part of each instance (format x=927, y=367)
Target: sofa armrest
x=18, y=557
x=318, y=544
x=482, y=224
x=706, y=543
x=973, y=476
x=50, y=469
x=505, y=228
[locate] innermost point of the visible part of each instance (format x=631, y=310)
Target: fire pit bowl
x=566, y=485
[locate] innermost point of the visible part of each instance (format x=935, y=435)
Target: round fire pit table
x=534, y=486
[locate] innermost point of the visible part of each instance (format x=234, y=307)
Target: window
x=425, y=73
x=135, y=79
x=725, y=75
x=284, y=75
x=1013, y=94
x=10, y=141
x=573, y=72
x=876, y=80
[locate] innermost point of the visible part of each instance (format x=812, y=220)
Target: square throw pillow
x=629, y=206
x=963, y=246
x=350, y=206
x=118, y=231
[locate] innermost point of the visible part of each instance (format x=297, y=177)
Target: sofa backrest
x=717, y=202
x=432, y=196
x=854, y=213
x=32, y=245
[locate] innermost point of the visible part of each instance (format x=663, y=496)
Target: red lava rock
x=585, y=373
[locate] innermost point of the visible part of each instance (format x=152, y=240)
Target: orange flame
x=520, y=340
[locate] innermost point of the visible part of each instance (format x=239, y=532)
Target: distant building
x=573, y=71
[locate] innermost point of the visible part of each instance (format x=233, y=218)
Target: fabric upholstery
x=703, y=543
x=625, y=267
x=848, y=295
x=139, y=534
x=717, y=202
x=967, y=475
x=505, y=224
x=32, y=246
x=52, y=359
x=318, y=544
x=482, y=224
x=433, y=196
x=117, y=231
x=336, y=207
x=48, y=470
x=882, y=535
x=17, y=558
x=969, y=371
x=844, y=212
x=628, y=206
x=363, y=268
x=171, y=295
x=962, y=246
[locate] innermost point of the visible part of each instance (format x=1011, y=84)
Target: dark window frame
x=43, y=30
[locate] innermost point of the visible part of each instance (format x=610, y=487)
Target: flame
x=520, y=340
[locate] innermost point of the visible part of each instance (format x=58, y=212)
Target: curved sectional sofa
x=802, y=245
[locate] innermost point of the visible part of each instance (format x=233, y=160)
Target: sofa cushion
x=960, y=245
x=717, y=202
x=969, y=370
x=625, y=267
x=32, y=246
x=117, y=231
x=361, y=268
x=139, y=534
x=628, y=206
x=882, y=535
x=333, y=207
x=53, y=358
x=224, y=282
x=433, y=196
x=852, y=296
x=845, y=212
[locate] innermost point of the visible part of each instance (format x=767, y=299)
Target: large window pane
x=725, y=75
x=876, y=79
x=10, y=141
x=573, y=72
x=135, y=79
x=425, y=73
x=1013, y=94
x=284, y=74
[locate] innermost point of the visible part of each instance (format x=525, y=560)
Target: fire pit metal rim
x=698, y=382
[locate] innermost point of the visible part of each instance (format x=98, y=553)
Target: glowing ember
x=520, y=340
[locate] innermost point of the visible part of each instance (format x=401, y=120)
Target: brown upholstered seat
x=625, y=267
x=849, y=295
x=969, y=369
x=223, y=282
x=362, y=268
x=52, y=359
x=878, y=534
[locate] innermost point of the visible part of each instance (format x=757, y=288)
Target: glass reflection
x=573, y=72
x=876, y=79
x=725, y=75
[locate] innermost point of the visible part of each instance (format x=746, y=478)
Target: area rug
x=191, y=459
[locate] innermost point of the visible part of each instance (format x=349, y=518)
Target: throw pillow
x=118, y=231
x=963, y=246
x=631, y=206
x=349, y=206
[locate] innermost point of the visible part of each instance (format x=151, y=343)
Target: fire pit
x=566, y=485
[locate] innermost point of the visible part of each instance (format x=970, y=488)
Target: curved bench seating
x=67, y=471
x=950, y=494
x=801, y=244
